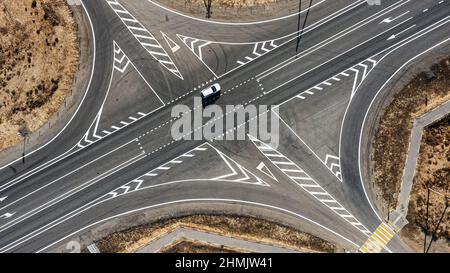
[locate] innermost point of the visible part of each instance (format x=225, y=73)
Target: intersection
x=116, y=156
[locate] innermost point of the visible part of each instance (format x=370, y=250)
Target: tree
x=208, y=6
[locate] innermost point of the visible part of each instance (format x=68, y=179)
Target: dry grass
x=231, y=3
x=246, y=228
x=38, y=59
x=433, y=169
x=239, y=10
x=390, y=149
x=390, y=145
x=190, y=246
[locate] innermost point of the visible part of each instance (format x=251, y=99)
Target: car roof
x=207, y=92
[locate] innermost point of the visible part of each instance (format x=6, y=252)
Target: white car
x=211, y=93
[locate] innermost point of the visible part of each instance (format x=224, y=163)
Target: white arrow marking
x=7, y=215
x=391, y=37
x=395, y=35
x=390, y=19
x=3, y=198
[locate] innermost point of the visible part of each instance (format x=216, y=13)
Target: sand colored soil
x=246, y=228
x=38, y=60
x=189, y=246
x=433, y=170
x=391, y=140
x=390, y=147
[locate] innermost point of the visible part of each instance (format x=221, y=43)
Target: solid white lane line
x=336, y=57
x=331, y=39
x=166, y=204
x=67, y=174
x=71, y=192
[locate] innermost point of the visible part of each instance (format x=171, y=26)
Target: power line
x=298, y=25
x=438, y=224
x=426, y=218
x=300, y=35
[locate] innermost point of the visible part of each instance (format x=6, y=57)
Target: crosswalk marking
x=378, y=240
x=93, y=248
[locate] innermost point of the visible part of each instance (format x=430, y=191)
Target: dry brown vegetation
x=390, y=148
x=433, y=170
x=246, y=228
x=38, y=59
x=230, y=3
x=391, y=140
x=189, y=246
x=240, y=10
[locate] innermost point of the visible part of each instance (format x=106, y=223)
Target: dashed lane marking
x=360, y=72
x=7, y=215
x=135, y=184
x=259, y=49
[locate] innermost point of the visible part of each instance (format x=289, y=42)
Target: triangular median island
x=173, y=46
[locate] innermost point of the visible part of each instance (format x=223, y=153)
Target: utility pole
x=426, y=217
x=388, y=208
x=23, y=153
x=298, y=26
x=23, y=131
x=438, y=224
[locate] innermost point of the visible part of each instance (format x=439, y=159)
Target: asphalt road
x=101, y=165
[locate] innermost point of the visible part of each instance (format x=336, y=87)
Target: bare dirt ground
x=38, y=60
x=421, y=95
x=240, y=10
x=246, y=228
x=189, y=246
x=433, y=170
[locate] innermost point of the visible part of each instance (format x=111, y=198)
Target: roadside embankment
x=38, y=60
